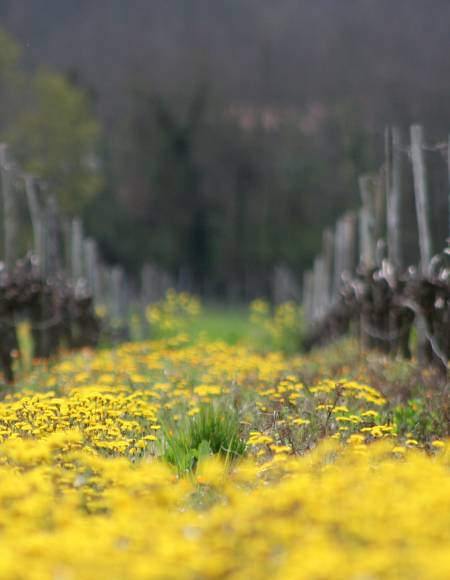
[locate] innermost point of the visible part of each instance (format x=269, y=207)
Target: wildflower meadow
x=187, y=457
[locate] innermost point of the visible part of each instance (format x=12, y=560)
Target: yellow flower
x=300, y=421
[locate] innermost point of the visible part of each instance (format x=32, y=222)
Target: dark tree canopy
x=233, y=132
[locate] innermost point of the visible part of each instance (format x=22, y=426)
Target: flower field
x=110, y=468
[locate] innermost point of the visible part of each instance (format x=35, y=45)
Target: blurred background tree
x=55, y=137
x=11, y=80
x=226, y=135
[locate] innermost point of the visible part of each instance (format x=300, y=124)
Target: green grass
x=231, y=325
x=214, y=431
x=25, y=345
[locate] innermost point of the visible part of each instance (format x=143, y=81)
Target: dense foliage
x=52, y=132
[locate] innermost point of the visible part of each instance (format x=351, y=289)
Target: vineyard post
x=9, y=209
x=379, y=205
x=310, y=295
x=328, y=251
x=77, y=249
x=323, y=288
x=307, y=297
x=36, y=219
x=53, y=255
x=117, y=283
x=67, y=237
x=367, y=221
x=338, y=257
x=388, y=147
x=349, y=242
x=423, y=222
x=316, y=289
x=100, y=287
x=363, y=235
x=91, y=261
x=393, y=203
x=109, y=292
x=318, y=286
x=367, y=246
x=421, y=196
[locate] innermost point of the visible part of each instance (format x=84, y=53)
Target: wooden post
x=338, y=257
x=9, y=209
x=67, y=243
x=117, y=283
x=364, y=243
x=36, y=220
x=307, y=298
x=380, y=252
x=421, y=195
x=388, y=146
x=367, y=221
x=96, y=277
x=77, y=249
x=393, y=201
x=340, y=249
x=318, y=285
x=379, y=205
x=328, y=254
x=53, y=250
x=423, y=222
x=91, y=261
x=348, y=243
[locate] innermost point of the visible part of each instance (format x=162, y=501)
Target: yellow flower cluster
x=335, y=513
x=84, y=493
x=115, y=398
x=174, y=313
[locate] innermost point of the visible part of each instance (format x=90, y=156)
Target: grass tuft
x=215, y=430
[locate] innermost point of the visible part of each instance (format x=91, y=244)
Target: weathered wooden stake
x=393, y=202
x=379, y=205
x=91, y=261
x=328, y=254
x=319, y=287
x=388, y=146
x=117, y=287
x=53, y=249
x=308, y=297
x=77, y=249
x=421, y=195
x=9, y=209
x=338, y=257
x=36, y=219
x=67, y=243
x=348, y=243
x=367, y=221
